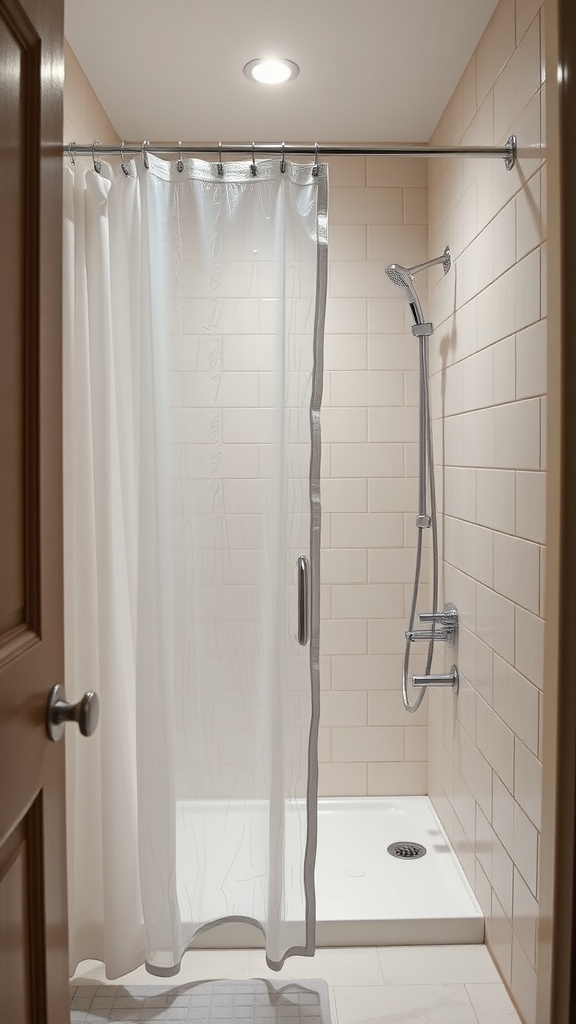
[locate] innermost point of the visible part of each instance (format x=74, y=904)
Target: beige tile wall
x=369, y=744
x=85, y=119
x=488, y=363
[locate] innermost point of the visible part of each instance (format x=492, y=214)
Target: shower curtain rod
x=507, y=152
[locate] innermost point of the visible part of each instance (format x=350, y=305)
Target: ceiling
x=370, y=70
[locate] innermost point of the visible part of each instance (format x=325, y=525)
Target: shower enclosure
x=193, y=387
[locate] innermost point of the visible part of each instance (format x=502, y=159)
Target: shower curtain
x=194, y=309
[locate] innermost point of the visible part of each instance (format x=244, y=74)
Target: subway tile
x=525, y=847
x=345, y=316
x=344, y=708
x=496, y=499
x=460, y=493
x=517, y=571
x=385, y=707
x=496, y=742
x=523, y=982
x=528, y=783
x=529, y=646
x=370, y=743
x=401, y=172
x=397, y=778
x=356, y=278
x=529, y=228
x=377, y=529
x=495, y=47
x=348, y=242
x=343, y=779
x=344, y=425
x=358, y=601
x=527, y=277
x=415, y=206
x=504, y=356
x=344, y=495
x=387, y=316
x=366, y=672
x=503, y=813
x=517, y=435
x=531, y=506
x=386, y=636
x=340, y=565
x=343, y=636
x=499, y=938
x=393, y=424
x=406, y=244
x=531, y=354
x=515, y=700
x=374, y=387
x=504, y=239
x=392, y=351
x=368, y=460
x=365, y=205
x=345, y=352
x=393, y=565
x=519, y=80
x=347, y=171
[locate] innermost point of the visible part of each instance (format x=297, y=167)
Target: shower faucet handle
x=448, y=616
x=447, y=619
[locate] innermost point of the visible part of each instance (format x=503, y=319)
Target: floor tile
x=408, y=1004
x=420, y=965
x=492, y=1004
x=356, y=965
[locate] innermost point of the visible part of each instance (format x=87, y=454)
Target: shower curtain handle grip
x=303, y=601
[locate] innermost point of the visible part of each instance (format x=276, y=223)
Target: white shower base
x=365, y=896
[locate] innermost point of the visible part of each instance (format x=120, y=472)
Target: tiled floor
x=384, y=985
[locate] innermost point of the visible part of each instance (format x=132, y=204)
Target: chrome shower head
x=402, y=277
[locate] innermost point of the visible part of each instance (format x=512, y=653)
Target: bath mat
x=257, y=1001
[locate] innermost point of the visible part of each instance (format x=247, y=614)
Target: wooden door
x=33, y=927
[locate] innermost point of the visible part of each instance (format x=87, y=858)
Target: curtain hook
x=315, y=166
x=122, y=164
x=220, y=165
x=96, y=163
x=180, y=163
x=145, y=154
x=253, y=165
x=283, y=160
x=71, y=156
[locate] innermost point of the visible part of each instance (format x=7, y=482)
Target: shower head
x=402, y=277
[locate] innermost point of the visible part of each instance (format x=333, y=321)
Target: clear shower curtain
x=194, y=318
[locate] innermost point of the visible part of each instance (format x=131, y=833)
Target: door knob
x=59, y=711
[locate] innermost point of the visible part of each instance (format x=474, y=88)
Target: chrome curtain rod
x=507, y=152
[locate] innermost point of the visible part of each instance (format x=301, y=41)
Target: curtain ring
x=220, y=165
x=315, y=165
x=71, y=156
x=180, y=163
x=123, y=165
x=97, y=163
x=253, y=164
x=283, y=160
x=145, y=154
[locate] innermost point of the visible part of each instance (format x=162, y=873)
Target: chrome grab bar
x=303, y=601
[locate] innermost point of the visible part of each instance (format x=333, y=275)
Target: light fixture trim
x=271, y=70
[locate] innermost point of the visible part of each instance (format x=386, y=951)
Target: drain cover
x=406, y=851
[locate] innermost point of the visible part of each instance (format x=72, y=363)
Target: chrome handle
x=450, y=678
x=59, y=711
x=303, y=617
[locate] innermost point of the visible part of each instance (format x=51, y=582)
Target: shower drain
x=406, y=851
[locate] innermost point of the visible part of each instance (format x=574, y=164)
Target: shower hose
x=426, y=468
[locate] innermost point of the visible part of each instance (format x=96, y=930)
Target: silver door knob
x=59, y=711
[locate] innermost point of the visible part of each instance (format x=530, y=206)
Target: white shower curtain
x=194, y=307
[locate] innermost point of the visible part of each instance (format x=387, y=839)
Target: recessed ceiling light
x=271, y=70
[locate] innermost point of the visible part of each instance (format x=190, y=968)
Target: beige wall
x=85, y=120
x=488, y=367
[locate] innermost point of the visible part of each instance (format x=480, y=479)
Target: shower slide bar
x=506, y=152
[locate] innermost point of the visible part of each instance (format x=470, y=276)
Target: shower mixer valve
x=444, y=626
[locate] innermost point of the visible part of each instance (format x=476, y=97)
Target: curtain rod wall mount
x=507, y=152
